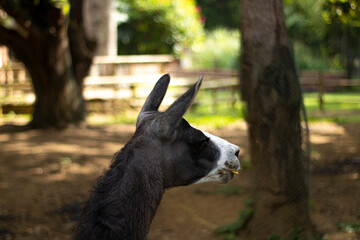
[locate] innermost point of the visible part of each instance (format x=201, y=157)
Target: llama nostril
x=237, y=153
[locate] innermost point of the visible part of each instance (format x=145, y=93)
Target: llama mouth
x=225, y=175
x=223, y=171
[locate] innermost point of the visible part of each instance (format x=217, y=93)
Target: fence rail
x=138, y=74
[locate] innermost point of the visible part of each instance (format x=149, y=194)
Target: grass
x=206, y=113
x=215, y=116
x=339, y=107
x=333, y=101
x=202, y=113
x=125, y=117
x=13, y=118
x=348, y=227
x=229, y=231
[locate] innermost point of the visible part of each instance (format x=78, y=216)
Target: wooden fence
x=129, y=79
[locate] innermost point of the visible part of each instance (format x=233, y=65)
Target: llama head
x=187, y=154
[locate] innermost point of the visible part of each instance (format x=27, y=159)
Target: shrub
x=220, y=49
x=158, y=27
x=307, y=59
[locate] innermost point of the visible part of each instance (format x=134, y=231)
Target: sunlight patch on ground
x=325, y=132
x=63, y=171
x=354, y=176
x=72, y=169
x=327, y=128
x=340, y=236
x=320, y=139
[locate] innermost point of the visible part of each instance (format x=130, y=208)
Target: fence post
x=214, y=99
x=321, y=90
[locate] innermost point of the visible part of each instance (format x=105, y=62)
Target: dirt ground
x=45, y=176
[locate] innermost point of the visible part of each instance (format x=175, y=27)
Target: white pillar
x=101, y=23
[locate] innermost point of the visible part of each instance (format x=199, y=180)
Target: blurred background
x=137, y=41
x=64, y=63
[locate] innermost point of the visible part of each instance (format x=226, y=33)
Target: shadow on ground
x=45, y=176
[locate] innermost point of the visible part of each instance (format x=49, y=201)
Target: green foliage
x=348, y=227
x=345, y=11
x=220, y=49
x=309, y=31
x=307, y=59
x=230, y=231
x=304, y=21
x=330, y=28
x=64, y=4
x=31, y=7
x=158, y=27
x=343, y=30
x=220, y=13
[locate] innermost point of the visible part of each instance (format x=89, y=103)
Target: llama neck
x=124, y=201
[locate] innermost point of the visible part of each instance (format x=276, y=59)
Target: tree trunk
x=272, y=92
x=59, y=101
x=82, y=46
x=57, y=59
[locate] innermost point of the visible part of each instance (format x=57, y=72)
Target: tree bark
x=82, y=45
x=57, y=65
x=271, y=89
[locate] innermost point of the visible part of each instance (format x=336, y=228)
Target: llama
x=165, y=151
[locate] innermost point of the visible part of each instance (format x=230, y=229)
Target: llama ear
x=173, y=115
x=155, y=98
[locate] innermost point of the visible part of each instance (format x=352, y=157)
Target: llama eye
x=201, y=144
